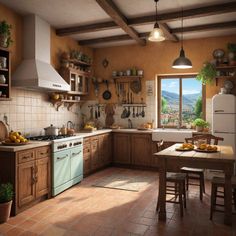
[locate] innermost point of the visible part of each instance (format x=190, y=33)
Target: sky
x=189, y=86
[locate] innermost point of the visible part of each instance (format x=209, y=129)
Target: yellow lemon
x=17, y=141
x=12, y=137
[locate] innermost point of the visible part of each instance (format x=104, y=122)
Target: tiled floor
x=87, y=210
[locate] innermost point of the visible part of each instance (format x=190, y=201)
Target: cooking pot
x=51, y=130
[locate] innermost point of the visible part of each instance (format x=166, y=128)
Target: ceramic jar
x=2, y=79
x=3, y=62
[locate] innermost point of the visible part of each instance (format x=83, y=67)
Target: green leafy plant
x=5, y=31
x=231, y=47
x=6, y=192
x=207, y=73
x=201, y=123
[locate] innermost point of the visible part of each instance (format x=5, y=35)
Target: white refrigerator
x=223, y=123
x=224, y=118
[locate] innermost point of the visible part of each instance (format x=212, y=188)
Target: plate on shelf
x=228, y=84
x=14, y=144
x=218, y=53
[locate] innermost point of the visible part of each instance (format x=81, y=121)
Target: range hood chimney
x=35, y=71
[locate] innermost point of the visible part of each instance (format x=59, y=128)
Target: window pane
x=191, y=100
x=169, y=102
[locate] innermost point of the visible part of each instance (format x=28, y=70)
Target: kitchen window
x=181, y=100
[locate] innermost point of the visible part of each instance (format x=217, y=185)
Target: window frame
x=180, y=77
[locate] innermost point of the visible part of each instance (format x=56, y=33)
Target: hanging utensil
x=137, y=114
x=124, y=113
x=133, y=112
x=128, y=112
x=99, y=114
x=106, y=94
x=143, y=113
x=96, y=113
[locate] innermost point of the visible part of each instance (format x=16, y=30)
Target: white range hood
x=35, y=71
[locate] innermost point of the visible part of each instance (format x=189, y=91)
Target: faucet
x=130, y=125
x=71, y=124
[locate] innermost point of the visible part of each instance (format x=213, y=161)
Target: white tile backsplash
x=30, y=111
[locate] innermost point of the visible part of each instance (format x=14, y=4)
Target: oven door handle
x=61, y=158
x=75, y=154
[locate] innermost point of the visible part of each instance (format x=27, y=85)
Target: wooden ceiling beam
x=167, y=32
x=111, y=9
x=165, y=17
x=215, y=26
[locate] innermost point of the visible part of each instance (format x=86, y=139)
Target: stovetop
x=49, y=137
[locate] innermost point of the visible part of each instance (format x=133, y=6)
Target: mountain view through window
x=181, y=101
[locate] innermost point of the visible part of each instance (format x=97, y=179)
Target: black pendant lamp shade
x=182, y=62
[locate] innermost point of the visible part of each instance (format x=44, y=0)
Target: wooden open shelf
x=227, y=67
x=59, y=102
x=3, y=85
x=79, y=62
x=126, y=79
x=3, y=69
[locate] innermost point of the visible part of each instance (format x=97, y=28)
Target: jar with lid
x=2, y=79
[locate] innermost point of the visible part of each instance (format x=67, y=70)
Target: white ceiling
x=66, y=13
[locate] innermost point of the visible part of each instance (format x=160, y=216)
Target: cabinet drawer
x=43, y=152
x=86, y=149
x=86, y=141
x=24, y=156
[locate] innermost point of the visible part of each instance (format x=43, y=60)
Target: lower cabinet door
x=42, y=170
x=61, y=168
x=76, y=155
x=26, y=183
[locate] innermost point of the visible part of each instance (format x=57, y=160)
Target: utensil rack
x=134, y=105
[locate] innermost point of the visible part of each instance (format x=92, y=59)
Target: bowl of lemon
x=15, y=139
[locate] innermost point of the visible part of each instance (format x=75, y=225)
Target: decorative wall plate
x=218, y=53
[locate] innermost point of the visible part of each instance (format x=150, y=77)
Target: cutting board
x=3, y=131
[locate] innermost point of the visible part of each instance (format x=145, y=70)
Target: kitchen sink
x=172, y=135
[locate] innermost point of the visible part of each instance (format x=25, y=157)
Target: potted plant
x=6, y=195
x=232, y=53
x=200, y=124
x=207, y=73
x=5, y=34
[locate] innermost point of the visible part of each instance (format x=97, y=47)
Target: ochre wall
x=157, y=58
x=58, y=44
x=16, y=33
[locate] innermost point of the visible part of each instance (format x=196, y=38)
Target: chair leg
x=213, y=199
x=234, y=198
x=187, y=181
x=203, y=182
x=184, y=193
x=201, y=189
x=181, y=199
x=158, y=206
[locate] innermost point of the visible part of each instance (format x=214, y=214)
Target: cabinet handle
x=26, y=157
x=75, y=153
x=61, y=158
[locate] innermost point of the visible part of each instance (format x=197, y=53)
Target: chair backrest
x=210, y=139
x=160, y=145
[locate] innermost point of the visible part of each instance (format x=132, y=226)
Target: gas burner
x=48, y=137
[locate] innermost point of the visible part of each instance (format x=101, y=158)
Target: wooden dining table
x=171, y=160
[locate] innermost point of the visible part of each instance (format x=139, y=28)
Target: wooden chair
x=217, y=192
x=195, y=173
x=175, y=186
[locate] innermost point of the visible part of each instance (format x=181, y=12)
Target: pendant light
x=182, y=62
x=157, y=34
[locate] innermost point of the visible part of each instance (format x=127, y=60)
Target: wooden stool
x=219, y=182
x=195, y=174
x=177, y=190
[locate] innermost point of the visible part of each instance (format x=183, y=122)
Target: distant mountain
x=172, y=99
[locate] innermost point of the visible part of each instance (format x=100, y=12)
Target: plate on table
x=183, y=149
x=14, y=144
x=204, y=150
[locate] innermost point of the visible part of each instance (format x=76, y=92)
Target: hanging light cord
x=156, y=9
x=182, y=25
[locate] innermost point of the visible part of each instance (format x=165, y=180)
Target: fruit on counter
x=16, y=137
x=187, y=146
x=88, y=126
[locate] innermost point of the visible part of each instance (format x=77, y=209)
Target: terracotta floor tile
x=4, y=228
x=53, y=231
x=16, y=220
x=14, y=231
x=39, y=227
x=27, y=224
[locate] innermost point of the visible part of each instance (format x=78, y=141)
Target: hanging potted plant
x=6, y=195
x=200, y=124
x=232, y=53
x=5, y=34
x=207, y=73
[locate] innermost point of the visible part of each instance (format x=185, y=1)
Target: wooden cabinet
x=77, y=79
x=30, y=173
x=121, y=148
x=225, y=72
x=5, y=71
x=141, y=149
x=97, y=152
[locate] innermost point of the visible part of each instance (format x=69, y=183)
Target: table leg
x=162, y=189
x=228, y=199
